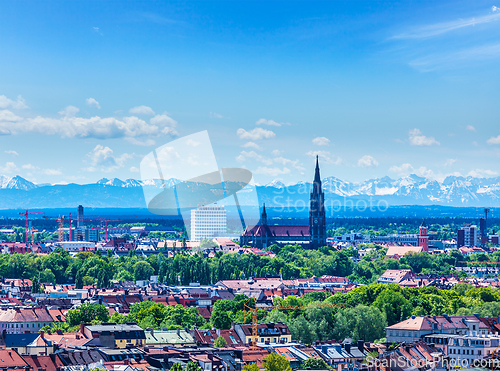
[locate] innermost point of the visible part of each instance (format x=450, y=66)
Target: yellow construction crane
x=60, y=221
x=286, y=307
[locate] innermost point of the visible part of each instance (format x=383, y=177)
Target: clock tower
x=317, y=216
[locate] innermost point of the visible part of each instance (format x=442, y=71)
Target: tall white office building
x=208, y=222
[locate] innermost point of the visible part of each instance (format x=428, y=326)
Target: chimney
x=41, y=333
x=178, y=332
x=82, y=327
x=217, y=332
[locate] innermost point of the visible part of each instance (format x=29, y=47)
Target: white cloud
x=133, y=169
x=69, y=111
x=142, y=110
x=14, y=153
x=9, y=167
x=367, y=161
x=285, y=161
x=252, y=145
x=321, y=141
x=450, y=162
x=482, y=173
x=458, y=59
x=444, y=27
x=104, y=158
x=215, y=115
x=494, y=140
x=165, y=123
x=137, y=142
x=94, y=127
x=274, y=171
x=15, y=104
x=93, y=103
x=418, y=139
x=270, y=122
x=403, y=169
x=29, y=167
x=245, y=155
x=325, y=156
x=8, y=116
x=192, y=143
x=255, y=134
x=470, y=128
x=276, y=152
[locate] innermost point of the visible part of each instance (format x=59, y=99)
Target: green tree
x=143, y=271
x=395, y=306
x=176, y=367
x=251, y=367
x=35, y=286
x=275, y=362
x=86, y=313
x=47, y=276
x=192, y=366
x=315, y=364
x=220, y=342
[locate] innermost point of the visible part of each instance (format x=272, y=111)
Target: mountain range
x=17, y=192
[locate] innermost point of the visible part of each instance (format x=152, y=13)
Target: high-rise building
x=208, y=222
x=317, y=215
x=468, y=235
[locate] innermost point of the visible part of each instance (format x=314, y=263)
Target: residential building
x=208, y=337
x=395, y=276
x=267, y=333
x=343, y=355
x=415, y=328
x=208, y=222
x=113, y=335
x=468, y=235
x=463, y=350
x=20, y=320
x=164, y=338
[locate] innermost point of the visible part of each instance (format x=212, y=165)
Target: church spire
x=317, y=178
x=263, y=217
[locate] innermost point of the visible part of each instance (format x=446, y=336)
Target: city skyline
x=88, y=89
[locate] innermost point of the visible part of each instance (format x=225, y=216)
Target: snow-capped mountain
x=15, y=182
x=17, y=192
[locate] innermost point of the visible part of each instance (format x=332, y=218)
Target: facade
x=415, y=328
x=22, y=320
x=112, y=335
x=267, y=333
x=395, y=276
x=423, y=238
x=312, y=235
x=463, y=350
x=208, y=222
x=468, y=235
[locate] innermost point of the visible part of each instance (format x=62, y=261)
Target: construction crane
x=60, y=221
x=286, y=307
x=27, y=226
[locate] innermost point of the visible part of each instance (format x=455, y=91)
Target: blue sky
x=87, y=89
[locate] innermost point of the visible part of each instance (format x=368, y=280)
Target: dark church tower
x=317, y=217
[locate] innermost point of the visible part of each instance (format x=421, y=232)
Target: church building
x=312, y=235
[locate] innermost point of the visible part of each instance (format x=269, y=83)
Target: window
x=129, y=341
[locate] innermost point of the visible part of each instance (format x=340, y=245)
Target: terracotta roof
x=49, y=363
x=10, y=359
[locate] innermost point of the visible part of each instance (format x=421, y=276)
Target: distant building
x=112, y=335
x=468, y=235
x=173, y=338
x=423, y=239
x=395, y=276
x=267, y=333
x=21, y=320
x=312, y=235
x=208, y=222
x=415, y=328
